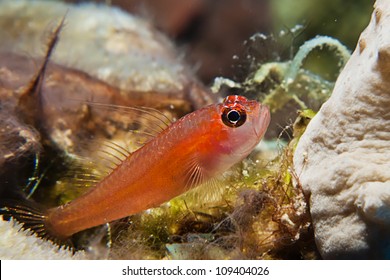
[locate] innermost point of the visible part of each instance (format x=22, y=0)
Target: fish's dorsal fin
x=117, y=131
x=152, y=119
x=87, y=169
x=105, y=156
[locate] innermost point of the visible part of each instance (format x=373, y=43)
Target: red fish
x=189, y=152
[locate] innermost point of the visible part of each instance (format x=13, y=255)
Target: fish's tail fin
x=33, y=217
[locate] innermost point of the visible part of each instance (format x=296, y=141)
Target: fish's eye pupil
x=233, y=116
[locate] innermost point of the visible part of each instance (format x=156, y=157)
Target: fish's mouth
x=262, y=122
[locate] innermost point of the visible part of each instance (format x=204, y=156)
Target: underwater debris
x=342, y=159
x=298, y=84
x=284, y=218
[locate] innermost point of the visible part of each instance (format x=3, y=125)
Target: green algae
x=306, y=88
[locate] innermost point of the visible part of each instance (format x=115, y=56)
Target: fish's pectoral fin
x=198, y=184
x=206, y=193
x=194, y=173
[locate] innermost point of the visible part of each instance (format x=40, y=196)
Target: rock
x=343, y=158
x=123, y=50
x=102, y=55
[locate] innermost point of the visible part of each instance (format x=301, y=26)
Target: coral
x=342, y=159
x=19, y=244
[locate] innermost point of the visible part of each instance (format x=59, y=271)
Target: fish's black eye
x=233, y=118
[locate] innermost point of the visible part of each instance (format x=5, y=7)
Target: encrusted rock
x=102, y=55
x=125, y=51
x=343, y=158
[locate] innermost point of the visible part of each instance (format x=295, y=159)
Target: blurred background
x=211, y=32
